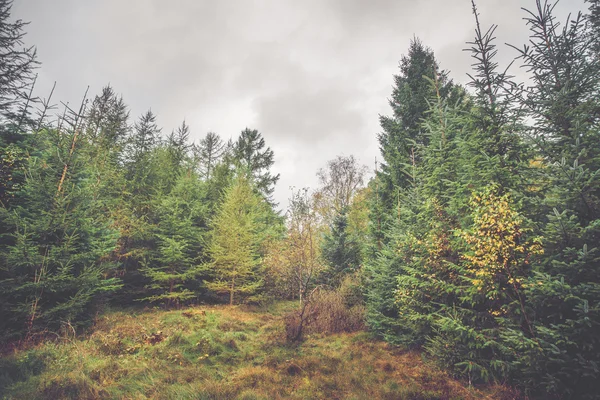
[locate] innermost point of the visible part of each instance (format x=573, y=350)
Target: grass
x=221, y=352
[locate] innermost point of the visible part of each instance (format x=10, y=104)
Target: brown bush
x=326, y=312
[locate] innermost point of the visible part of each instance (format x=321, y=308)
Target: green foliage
x=180, y=229
x=234, y=245
x=54, y=265
x=489, y=251
x=340, y=250
x=249, y=153
x=402, y=132
x=208, y=153
x=220, y=352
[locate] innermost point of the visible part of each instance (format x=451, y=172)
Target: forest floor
x=221, y=352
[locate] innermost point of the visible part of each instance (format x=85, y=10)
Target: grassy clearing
x=221, y=352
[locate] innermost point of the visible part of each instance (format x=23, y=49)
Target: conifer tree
x=209, y=152
x=55, y=264
x=17, y=66
x=564, y=290
x=250, y=154
x=107, y=119
x=402, y=132
x=234, y=246
x=144, y=161
x=180, y=228
x=16, y=71
x=340, y=250
x=178, y=145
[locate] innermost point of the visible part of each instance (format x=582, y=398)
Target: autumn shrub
x=327, y=312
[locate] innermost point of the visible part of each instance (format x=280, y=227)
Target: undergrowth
x=221, y=352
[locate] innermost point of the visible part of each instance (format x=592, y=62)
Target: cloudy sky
x=312, y=76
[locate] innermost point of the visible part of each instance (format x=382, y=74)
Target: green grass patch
x=221, y=352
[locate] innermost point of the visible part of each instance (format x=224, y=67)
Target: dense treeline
x=476, y=240
x=489, y=205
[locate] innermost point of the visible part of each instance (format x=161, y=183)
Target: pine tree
x=564, y=290
x=250, y=154
x=234, y=246
x=340, y=250
x=17, y=66
x=16, y=72
x=180, y=229
x=55, y=261
x=209, y=152
x=402, y=132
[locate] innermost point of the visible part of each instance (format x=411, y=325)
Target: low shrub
x=326, y=312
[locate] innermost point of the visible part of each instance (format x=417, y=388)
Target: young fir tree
x=177, y=143
x=106, y=129
x=107, y=120
x=143, y=162
x=234, y=246
x=474, y=151
x=55, y=263
x=564, y=290
x=16, y=73
x=17, y=66
x=394, y=186
x=401, y=296
x=340, y=250
x=179, y=230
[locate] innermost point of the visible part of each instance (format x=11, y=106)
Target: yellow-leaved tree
x=500, y=251
x=234, y=247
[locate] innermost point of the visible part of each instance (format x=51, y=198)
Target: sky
x=312, y=76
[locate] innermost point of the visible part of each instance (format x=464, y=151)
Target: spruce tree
x=178, y=145
x=401, y=133
x=180, y=228
x=16, y=72
x=564, y=291
x=209, y=152
x=17, y=66
x=55, y=261
x=250, y=154
x=340, y=250
x=107, y=119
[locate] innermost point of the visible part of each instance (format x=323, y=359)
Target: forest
x=474, y=241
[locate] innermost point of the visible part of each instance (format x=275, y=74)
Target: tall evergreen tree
x=107, y=119
x=401, y=133
x=180, y=229
x=55, y=262
x=17, y=66
x=16, y=70
x=178, y=144
x=250, y=154
x=209, y=152
x=564, y=291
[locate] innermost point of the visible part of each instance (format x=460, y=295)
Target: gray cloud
x=312, y=76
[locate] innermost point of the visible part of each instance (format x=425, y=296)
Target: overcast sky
x=312, y=76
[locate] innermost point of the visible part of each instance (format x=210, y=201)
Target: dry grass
x=223, y=352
